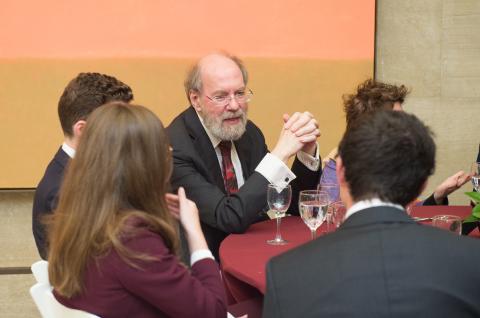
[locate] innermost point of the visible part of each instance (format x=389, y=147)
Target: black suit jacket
x=379, y=263
x=196, y=168
x=46, y=198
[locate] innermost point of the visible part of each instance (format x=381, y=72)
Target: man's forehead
x=218, y=69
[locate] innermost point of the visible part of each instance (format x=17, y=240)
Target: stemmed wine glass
x=339, y=211
x=278, y=199
x=332, y=190
x=475, y=172
x=452, y=223
x=313, y=206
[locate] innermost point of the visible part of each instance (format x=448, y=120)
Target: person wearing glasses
x=220, y=157
x=373, y=96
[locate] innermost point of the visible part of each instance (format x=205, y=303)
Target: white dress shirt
x=68, y=150
x=365, y=204
x=271, y=167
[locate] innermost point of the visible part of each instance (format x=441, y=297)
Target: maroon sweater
x=162, y=288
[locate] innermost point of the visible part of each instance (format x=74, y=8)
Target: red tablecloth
x=244, y=256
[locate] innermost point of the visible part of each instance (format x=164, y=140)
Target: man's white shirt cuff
x=275, y=170
x=199, y=255
x=309, y=161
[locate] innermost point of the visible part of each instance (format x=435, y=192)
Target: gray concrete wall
x=17, y=251
x=433, y=47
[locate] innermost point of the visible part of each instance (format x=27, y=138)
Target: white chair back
x=46, y=302
x=40, y=271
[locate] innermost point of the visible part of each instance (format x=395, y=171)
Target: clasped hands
x=299, y=132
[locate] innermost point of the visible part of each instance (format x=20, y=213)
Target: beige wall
x=433, y=47
x=30, y=127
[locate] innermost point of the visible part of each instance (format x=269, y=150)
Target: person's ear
x=195, y=100
x=78, y=128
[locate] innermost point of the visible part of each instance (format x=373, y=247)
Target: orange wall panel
x=301, y=54
x=324, y=29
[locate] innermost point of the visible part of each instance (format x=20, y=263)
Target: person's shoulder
x=51, y=180
x=178, y=130
x=140, y=238
x=253, y=131
x=178, y=123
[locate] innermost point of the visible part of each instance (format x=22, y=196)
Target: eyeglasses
x=223, y=99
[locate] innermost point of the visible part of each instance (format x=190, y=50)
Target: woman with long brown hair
x=113, y=238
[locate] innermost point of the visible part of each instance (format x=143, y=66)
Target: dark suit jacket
x=159, y=288
x=46, y=198
x=196, y=168
x=379, y=263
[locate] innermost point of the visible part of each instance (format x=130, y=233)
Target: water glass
x=339, y=211
x=278, y=199
x=450, y=223
x=332, y=190
x=313, y=206
x=475, y=172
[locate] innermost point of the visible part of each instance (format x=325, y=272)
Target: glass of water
x=450, y=223
x=313, y=206
x=475, y=172
x=332, y=191
x=339, y=211
x=278, y=199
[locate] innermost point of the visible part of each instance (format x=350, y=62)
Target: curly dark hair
x=85, y=93
x=370, y=97
x=387, y=155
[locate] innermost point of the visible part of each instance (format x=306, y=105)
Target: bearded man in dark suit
x=221, y=158
x=380, y=262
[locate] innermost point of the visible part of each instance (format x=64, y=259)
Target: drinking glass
x=451, y=223
x=332, y=190
x=313, y=206
x=278, y=199
x=475, y=172
x=339, y=211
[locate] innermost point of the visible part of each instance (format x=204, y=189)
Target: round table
x=244, y=256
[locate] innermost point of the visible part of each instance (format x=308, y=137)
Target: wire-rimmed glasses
x=223, y=99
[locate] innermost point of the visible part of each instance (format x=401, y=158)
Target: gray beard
x=231, y=132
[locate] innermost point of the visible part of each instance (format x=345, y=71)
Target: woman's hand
x=186, y=212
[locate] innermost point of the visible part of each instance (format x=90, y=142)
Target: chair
x=46, y=302
x=40, y=271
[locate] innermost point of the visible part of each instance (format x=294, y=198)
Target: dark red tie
x=229, y=177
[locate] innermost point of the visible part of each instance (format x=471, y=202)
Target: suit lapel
x=243, y=147
x=203, y=147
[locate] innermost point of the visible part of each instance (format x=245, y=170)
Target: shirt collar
x=214, y=140
x=365, y=204
x=68, y=150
